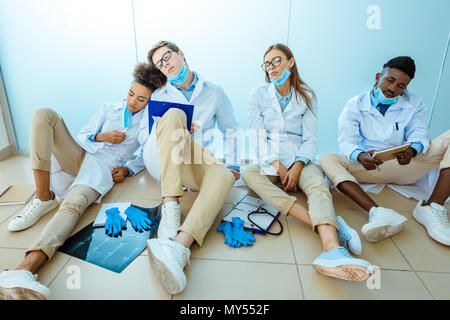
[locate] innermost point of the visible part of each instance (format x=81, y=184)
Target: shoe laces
x=171, y=217
x=183, y=257
x=343, y=251
x=343, y=238
x=27, y=211
x=441, y=217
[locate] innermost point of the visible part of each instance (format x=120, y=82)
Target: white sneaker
x=168, y=259
x=170, y=220
x=32, y=212
x=434, y=219
x=383, y=223
x=21, y=279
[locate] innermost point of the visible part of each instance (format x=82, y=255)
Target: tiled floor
x=412, y=265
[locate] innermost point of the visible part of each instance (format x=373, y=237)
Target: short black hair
x=402, y=63
x=146, y=75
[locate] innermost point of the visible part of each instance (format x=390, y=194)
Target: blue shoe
x=348, y=237
x=338, y=263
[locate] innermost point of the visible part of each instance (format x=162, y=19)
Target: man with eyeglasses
x=180, y=158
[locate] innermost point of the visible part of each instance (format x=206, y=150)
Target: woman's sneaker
x=434, y=219
x=21, y=285
x=168, y=259
x=348, y=237
x=383, y=223
x=32, y=212
x=338, y=263
x=170, y=220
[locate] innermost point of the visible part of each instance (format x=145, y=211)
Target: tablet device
x=389, y=153
x=158, y=108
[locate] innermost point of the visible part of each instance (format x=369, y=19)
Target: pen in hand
x=378, y=168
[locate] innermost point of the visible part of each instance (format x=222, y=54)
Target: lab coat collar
x=273, y=95
x=121, y=105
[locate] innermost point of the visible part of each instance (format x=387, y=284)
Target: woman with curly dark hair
x=100, y=156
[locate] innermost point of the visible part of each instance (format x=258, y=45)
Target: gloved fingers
x=115, y=229
x=148, y=221
x=134, y=224
x=249, y=236
x=107, y=227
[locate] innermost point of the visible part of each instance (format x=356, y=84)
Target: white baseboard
x=6, y=152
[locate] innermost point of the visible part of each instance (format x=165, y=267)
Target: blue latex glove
x=235, y=236
x=226, y=228
x=138, y=219
x=114, y=222
x=241, y=236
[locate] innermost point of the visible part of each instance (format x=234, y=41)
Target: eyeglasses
x=166, y=56
x=275, y=63
x=139, y=98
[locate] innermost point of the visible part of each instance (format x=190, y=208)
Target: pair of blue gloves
x=235, y=236
x=115, y=223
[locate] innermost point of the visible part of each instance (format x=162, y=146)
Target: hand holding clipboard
x=159, y=108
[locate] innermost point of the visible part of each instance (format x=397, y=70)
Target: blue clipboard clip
x=159, y=108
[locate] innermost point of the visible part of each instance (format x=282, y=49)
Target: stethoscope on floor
x=262, y=210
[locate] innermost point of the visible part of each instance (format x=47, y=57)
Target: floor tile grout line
x=415, y=272
x=295, y=258
x=59, y=271
x=244, y=261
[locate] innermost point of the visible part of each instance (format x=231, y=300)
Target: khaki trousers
x=311, y=182
x=339, y=168
x=49, y=135
x=184, y=162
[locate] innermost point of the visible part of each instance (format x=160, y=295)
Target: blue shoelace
x=344, y=252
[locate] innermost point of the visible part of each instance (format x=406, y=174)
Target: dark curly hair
x=403, y=63
x=146, y=75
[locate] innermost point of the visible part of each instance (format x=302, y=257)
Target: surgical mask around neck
x=380, y=97
x=281, y=79
x=180, y=77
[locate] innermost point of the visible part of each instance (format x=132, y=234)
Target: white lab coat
x=211, y=106
x=280, y=135
x=362, y=126
x=101, y=157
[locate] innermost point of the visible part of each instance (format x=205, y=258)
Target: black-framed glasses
x=166, y=56
x=275, y=62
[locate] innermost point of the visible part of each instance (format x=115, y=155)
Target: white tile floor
x=413, y=266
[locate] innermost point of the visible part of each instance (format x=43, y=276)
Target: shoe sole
x=382, y=232
x=348, y=272
x=165, y=276
x=20, y=294
x=432, y=236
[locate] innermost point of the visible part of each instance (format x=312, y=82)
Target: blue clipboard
x=158, y=108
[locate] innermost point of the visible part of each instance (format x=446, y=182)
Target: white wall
x=440, y=118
